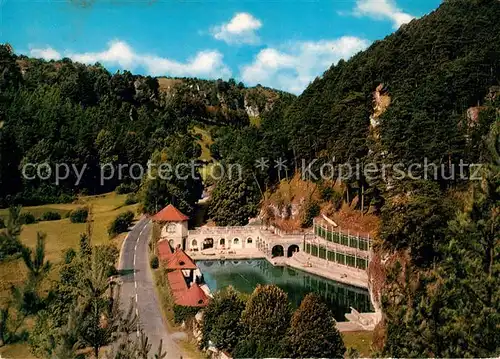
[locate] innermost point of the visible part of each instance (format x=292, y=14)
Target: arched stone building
x=174, y=230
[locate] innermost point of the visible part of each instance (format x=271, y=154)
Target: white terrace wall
x=243, y=237
x=223, y=237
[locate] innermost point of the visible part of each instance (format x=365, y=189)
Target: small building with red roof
x=179, y=260
x=177, y=283
x=164, y=250
x=185, y=295
x=170, y=214
x=174, y=226
x=193, y=297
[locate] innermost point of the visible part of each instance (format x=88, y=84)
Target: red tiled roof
x=170, y=214
x=193, y=297
x=188, y=297
x=177, y=283
x=164, y=250
x=180, y=260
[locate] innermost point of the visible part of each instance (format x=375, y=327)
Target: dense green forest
x=434, y=70
x=441, y=292
x=440, y=75
x=64, y=112
x=439, y=78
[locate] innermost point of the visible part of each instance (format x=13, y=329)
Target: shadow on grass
x=125, y=272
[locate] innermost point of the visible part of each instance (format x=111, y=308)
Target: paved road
x=138, y=284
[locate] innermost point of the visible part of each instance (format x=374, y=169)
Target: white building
x=174, y=229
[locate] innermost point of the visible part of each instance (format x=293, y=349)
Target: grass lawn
x=167, y=84
x=205, y=142
x=19, y=350
x=255, y=121
x=361, y=341
x=63, y=234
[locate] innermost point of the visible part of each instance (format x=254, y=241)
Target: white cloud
x=382, y=9
x=294, y=66
x=239, y=30
x=289, y=67
x=207, y=63
x=118, y=53
x=47, y=54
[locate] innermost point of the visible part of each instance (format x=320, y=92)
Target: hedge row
x=182, y=313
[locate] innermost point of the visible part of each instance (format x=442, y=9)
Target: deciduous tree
x=221, y=320
x=266, y=315
x=234, y=200
x=313, y=332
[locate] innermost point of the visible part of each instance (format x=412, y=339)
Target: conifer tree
x=312, y=331
x=452, y=309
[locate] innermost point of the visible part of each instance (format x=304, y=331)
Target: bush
x=79, y=215
x=69, y=255
x=50, y=216
x=107, y=255
x=312, y=331
x=131, y=199
x=154, y=262
x=326, y=192
x=2, y=223
x=126, y=188
x=311, y=211
x=27, y=218
x=182, y=314
x=122, y=189
x=121, y=223
x=65, y=198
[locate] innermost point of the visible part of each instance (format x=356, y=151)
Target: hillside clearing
x=63, y=234
x=361, y=341
x=205, y=142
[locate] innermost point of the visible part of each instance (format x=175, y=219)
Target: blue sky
x=279, y=43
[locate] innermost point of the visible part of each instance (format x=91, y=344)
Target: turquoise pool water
x=244, y=275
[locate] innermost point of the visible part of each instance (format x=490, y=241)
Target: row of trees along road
x=79, y=312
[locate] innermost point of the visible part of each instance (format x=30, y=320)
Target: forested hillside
x=429, y=93
x=433, y=70
x=421, y=93
x=65, y=112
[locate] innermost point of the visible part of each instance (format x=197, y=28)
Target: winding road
x=137, y=283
